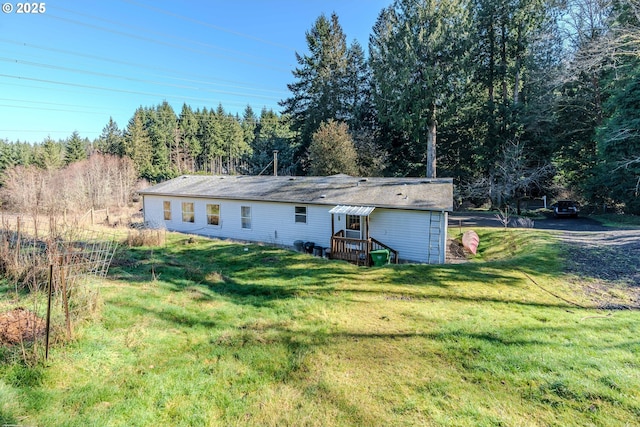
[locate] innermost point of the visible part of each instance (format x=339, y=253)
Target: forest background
x=511, y=98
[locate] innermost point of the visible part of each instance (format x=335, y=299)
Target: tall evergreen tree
x=75, y=149
x=416, y=51
x=506, y=32
x=189, y=137
x=210, y=131
x=617, y=177
x=235, y=147
x=162, y=125
x=357, y=90
x=23, y=153
x=111, y=139
x=579, y=105
x=6, y=157
x=50, y=155
x=318, y=92
x=249, y=124
x=619, y=146
x=273, y=132
x=137, y=145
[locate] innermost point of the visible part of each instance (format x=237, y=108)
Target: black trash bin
x=298, y=245
x=308, y=247
x=318, y=251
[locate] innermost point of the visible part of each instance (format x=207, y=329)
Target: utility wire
x=57, y=104
x=109, y=89
x=52, y=109
x=182, y=77
x=143, y=30
x=159, y=42
x=131, y=79
x=225, y=102
x=208, y=25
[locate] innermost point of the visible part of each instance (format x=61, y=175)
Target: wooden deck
x=357, y=251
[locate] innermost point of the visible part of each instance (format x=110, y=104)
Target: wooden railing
x=357, y=251
x=376, y=244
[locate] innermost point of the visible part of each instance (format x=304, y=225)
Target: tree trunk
x=503, y=63
x=492, y=64
x=431, y=150
x=516, y=85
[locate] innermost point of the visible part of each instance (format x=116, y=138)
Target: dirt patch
x=606, y=266
x=20, y=325
x=456, y=253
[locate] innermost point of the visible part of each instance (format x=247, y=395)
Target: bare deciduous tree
x=513, y=178
x=98, y=182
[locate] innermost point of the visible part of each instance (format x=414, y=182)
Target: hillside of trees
x=511, y=98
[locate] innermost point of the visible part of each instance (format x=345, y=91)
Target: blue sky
x=80, y=62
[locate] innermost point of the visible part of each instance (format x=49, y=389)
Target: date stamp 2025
x=24, y=8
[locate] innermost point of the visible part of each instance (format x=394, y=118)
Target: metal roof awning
x=352, y=210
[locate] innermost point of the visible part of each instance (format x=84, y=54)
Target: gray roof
x=395, y=193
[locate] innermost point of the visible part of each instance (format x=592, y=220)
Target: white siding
x=413, y=234
x=418, y=236
x=270, y=222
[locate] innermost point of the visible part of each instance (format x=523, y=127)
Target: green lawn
x=216, y=333
x=620, y=221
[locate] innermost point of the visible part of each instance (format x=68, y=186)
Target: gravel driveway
x=561, y=224
x=603, y=261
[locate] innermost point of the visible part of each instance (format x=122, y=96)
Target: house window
x=353, y=227
x=301, y=214
x=166, y=207
x=188, y=214
x=245, y=216
x=213, y=214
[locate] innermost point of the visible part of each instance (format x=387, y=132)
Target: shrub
x=145, y=237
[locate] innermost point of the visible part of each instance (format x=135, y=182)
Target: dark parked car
x=565, y=208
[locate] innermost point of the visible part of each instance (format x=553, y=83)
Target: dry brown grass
x=20, y=325
x=146, y=237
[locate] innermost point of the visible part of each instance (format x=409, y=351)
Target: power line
x=145, y=67
x=170, y=36
x=206, y=24
x=51, y=109
x=147, y=39
x=47, y=131
x=48, y=103
x=131, y=79
x=29, y=61
x=158, y=95
x=110, y=112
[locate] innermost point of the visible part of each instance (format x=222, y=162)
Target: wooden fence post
x=65, y=298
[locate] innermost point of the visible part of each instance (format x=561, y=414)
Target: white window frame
x=190, y=215
x=353, y=233
x=245, y=220
x=300, y=217
x=210, y=216
x=166, y=209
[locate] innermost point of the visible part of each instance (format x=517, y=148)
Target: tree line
x=511, y=98
x=162, y=144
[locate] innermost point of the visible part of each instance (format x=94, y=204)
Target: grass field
x=203, y=332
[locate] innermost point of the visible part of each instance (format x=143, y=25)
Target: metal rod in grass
x=49, y=297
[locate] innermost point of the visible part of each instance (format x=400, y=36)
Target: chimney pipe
x=275, y=162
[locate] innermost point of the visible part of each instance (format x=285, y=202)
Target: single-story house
x=348, y=216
